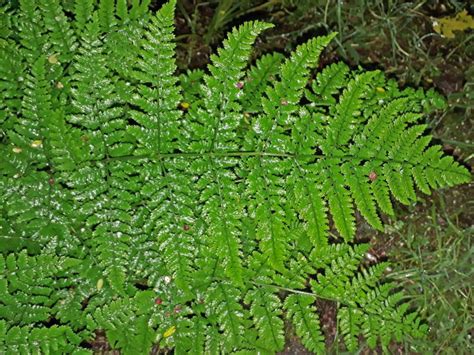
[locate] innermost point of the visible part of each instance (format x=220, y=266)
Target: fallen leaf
x=53, y=59
x=169, y=332
x=447, y=25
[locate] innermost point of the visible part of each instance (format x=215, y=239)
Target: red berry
x=158, y=301
x=186, y=227
x=239, y=85
x=372, y=176
x=51, y=181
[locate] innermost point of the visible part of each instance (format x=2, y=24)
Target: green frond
x=31, y=286
x=26, y=136
x=225, y=308
x=442, y=170
x=257, y=79
x=282, y=97
x=265, y=308
x=338, y=270
x=26, y=340
x=347, y=113
x=349, y=324
x=190, y=336
x=106, y=14
x=308, y=200
x=60, y=37
x=219, y=115
x=138, y=8
x=357, y=178
x=191, y=212
x=327, y=84
x=31, y=31
x=400, y=188
x=232, y=58
x=378, y=129
x=128, y=322
x=366, y=306
x=340, y=202
x=382, y=195
x=303, y=316
x=264, y=191
x=171, y=221
x=157, y=95
x=11, y=69
x=191, y=83
x=82, y=13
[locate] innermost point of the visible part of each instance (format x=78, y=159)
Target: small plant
x=194, y=212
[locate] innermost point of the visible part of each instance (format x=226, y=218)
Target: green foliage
x=172, y=211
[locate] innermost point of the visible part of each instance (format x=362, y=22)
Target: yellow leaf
x=100, y=284
x=169, y=332
x=380, y=89
x=185, y=105
x=446, y=25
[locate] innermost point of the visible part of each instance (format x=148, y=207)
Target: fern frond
x=357, y=178
x=366, y=306
x=106, y=14
x=265, y=308
x=11, y=69
x=309, y=201
x=128, y=322
x=157, y=96
x=30, y=286
x=82, y=13
x=347, y=110
x=56, y=339
x=26, y=135
x=214, y=129
x=60, y=36
x=224, y=307
x=349, y=323
x=31, y=31
x=190, y=336
x=340, y=202
x=281, y=97
x=268, y=135
x=328, y=83
x=382, y=195
x=258, y=78
x=193, y=213
x=191, y=83
x=302, y=313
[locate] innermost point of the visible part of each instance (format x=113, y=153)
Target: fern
x=193, y=212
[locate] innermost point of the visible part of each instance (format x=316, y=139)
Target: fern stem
x=160, y=156
x=299, y=292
